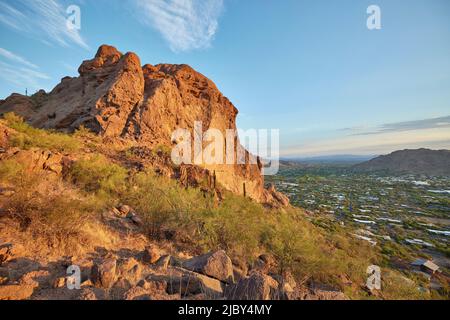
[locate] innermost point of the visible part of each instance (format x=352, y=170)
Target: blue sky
x=310, y=68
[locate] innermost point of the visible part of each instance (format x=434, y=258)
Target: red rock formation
x=116, y=97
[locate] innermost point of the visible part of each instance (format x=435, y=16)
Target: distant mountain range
x=421, y=161
x=330, y=159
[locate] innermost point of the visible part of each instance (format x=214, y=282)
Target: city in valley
x=405, y=216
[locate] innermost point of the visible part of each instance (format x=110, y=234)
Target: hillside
x=116, y=97
x=86, y=180
x=421, y=161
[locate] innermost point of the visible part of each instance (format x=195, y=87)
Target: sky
x=310, y=68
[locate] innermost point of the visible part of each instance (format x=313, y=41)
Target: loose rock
x=6, y=252
x=215, y=264
x=151, y=254
x=257, y=287
x=104, y=273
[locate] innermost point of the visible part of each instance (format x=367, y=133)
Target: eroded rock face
x=101, y=98
x=116, y=97
x=37, y=160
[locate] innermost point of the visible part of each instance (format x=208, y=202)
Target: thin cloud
x=16, y=58
x=385, y=142
x=442, y=122
x=41, y=19
x=22, y=77
x=185, y=24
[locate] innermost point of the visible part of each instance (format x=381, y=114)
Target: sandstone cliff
x=117, y=98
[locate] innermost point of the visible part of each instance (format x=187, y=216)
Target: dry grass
x=61, y=217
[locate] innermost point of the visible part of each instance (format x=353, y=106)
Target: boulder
x=104, y=273
x=214, y=264
x=130, y=269
x=125, y=210
x=287, y=285
x=153, y=285
x=116, y=212
x=6, y=252
x=163, y=262
x=186, y=283
x=238, y=273
x=87, y=295
x=318, y=294
x=151, y=254
x=137, y=293
x=265, y=263
x=134, y=217
x=256, y=287
x=36, y=160
x=16, y=292
x=59, y=283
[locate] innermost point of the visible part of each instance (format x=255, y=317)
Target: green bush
x=98, y=175
x=28, y=137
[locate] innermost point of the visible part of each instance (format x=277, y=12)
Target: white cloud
x=23, y=77
x=381, y=143
x=184, y=24
x=41, y=19
x=16, y=58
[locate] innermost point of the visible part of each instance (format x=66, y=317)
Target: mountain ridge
x=117, y=97
x=415, y=161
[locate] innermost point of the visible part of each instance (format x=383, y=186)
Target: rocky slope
x=116, y=97
x=421, y=161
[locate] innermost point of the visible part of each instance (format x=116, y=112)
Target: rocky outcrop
x=115, y=97
x=420, y=161
x=36, y=160
x=122, y=274
x=215, y=264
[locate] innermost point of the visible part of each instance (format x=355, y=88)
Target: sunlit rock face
x=116, y=97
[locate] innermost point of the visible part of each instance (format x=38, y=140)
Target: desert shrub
x=89, y=138
x=96, y=174
x=235, y=226
x=246, y=229
x=27, y=137
x=10, y=171
x=47, y=208
x=165, y=205
x=396, y=286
